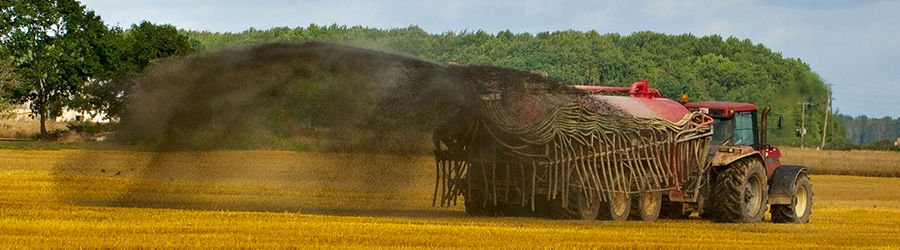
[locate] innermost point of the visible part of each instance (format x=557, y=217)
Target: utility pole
x=802, y=122
x=827, y=112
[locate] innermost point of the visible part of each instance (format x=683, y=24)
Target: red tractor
x=652, y=157
x=744, y=173
x=738, y=154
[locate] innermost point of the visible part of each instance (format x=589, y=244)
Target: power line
x=827, y=112
x=803, y=121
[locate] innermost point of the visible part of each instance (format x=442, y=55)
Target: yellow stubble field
x=99, y=199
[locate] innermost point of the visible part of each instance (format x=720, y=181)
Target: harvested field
x=853, y=162
x=289, y=199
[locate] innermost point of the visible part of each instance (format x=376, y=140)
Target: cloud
x=680, y=9
x=594, y=19
x=453, y=9
x=343, y=12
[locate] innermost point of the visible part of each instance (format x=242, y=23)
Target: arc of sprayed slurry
x=575, y=141
x=571, y=137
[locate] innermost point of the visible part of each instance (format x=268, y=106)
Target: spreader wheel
x=617, y=208
x=646, y=206
x=578, y=205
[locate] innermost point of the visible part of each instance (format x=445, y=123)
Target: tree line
x=58, y=54
x=876, y=133
x=705, y=68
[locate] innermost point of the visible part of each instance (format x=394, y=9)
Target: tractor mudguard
x=727, y=154
x=781, y=186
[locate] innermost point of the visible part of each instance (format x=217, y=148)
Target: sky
x=853, y=45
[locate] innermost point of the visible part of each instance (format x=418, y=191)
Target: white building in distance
x=23, y=112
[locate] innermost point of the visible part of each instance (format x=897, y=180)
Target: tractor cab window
x=738, y=130
x=743, y=129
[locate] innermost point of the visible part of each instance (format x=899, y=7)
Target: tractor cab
x=734, y=123
x=739, y=133
x=737, y=126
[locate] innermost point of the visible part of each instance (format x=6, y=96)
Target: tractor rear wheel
x=740, y=192
x=646, y=206
x=801, y=203
x=616, y=208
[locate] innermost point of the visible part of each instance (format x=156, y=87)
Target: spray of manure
x=368, y=114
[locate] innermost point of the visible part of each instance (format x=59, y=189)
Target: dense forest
x=704, y=68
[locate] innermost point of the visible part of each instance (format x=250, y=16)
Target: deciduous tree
x=56, y=47
x=136, y=48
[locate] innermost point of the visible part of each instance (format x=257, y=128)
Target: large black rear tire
x=801, y=203
x=740, y=192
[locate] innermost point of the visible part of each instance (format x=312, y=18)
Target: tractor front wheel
x=801, y=203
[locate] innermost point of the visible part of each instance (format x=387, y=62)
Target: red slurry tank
x=643, y=101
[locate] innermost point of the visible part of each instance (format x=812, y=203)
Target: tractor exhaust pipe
x=764, y=129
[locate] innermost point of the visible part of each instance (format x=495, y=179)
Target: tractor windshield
x=737, y=130
x=743, y=129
